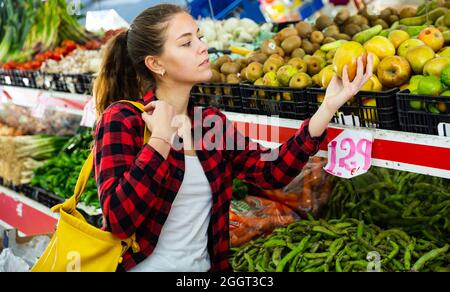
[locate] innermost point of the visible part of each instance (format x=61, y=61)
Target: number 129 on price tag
x=350, y=154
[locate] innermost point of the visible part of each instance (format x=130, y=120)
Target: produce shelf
x=382, y=114
x=425, y=154
x=422, y=113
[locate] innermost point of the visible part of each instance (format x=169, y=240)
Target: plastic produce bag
x=253, y=216
x=53, y=122
x=309, y=192
x=11, y=263
x=27, y=249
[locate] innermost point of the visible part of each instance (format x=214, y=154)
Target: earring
x=163, y=73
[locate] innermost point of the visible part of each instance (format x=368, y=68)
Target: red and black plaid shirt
x=137, y=186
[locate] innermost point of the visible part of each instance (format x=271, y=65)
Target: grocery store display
x=59, y=174
x=30, y=27
x=339, y=245
x=419, y=204
x=80, y=61
x=384, y=220
x=20, y=155
x=309, y=192
x=253, y=216
x=232, y=32
x=25, y=121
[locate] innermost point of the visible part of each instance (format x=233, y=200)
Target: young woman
x=176, y=200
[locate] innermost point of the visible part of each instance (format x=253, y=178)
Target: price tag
x=350, y=154
x=42, y=101
x=444, y=129
x=88, y=119
x=26, y=82
x=8, y=80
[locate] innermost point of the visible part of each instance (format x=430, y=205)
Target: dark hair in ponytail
x=123, y=73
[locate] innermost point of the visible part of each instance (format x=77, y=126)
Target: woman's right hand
x=159, y=116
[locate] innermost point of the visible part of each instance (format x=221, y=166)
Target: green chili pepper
x=250, y=262
x=334, y=249
x=429, y=256
x=275, y=242
x=292, y=254
x=276, y=255
x=407, y=256
x=324, y=230
x=315, y=255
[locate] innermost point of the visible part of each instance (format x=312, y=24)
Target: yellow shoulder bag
x=77, y=246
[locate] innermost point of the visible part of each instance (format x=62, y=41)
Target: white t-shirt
x=182, y=245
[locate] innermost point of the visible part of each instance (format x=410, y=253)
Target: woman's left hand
x=339, y=91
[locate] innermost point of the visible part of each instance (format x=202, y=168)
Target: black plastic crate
x=286, y=102
x=224, y=96
x=70, y=83
x=422, y=113
x=46, y=198
x=383, y=115
x=20, y=78
x=49, y=200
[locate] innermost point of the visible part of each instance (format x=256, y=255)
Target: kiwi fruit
x=393, y=18
x=308, y=47
x=233, y=79
x=230, y=68
x=304, y=29
x=257, y=57
x=280, y=52
x=395, y=11
x=316, y=47
x=269, y=47
x=328, y=40
x=331, y=31
x=364, y=27
x=317, y=37
x=381, y=22
x=358, y=20
x=291, y=43
x=385, y=13
x=351, y=29
x=299, y=53
x=323, y=21
x=409, y=11
x=215, y=78
x=242, y=62
x=277, y=40
x=243, y=74
x=372, y=18
x=286, y=33
x=222, y=60
x=342, y=16
x=343, y=36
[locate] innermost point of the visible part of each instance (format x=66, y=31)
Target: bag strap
x=70, y=204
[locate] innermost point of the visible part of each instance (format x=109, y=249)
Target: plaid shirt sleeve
x=267, y=168
x=128, y=174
